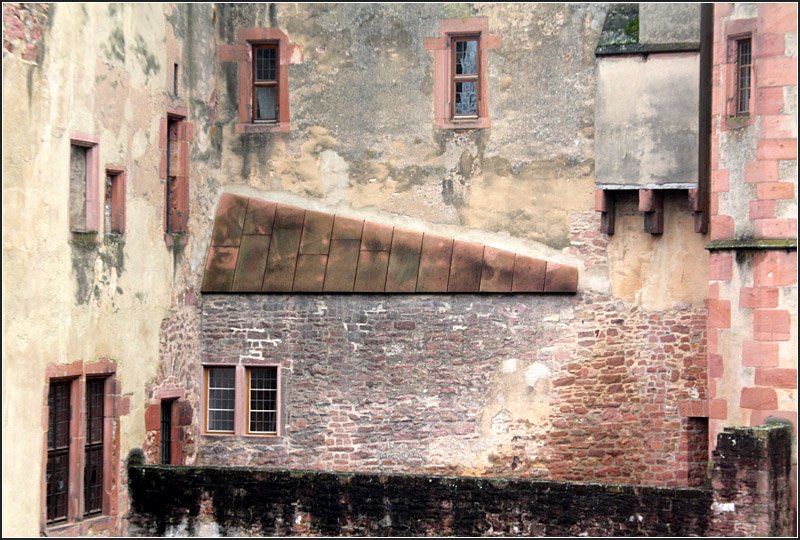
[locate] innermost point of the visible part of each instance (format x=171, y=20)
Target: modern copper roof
x=259, y=246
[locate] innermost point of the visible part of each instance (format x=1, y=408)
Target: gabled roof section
x=259, y=246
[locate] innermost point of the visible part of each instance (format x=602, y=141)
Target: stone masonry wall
x=749, y=496
x=752, y=293
x=222, y=501
x=556, y=387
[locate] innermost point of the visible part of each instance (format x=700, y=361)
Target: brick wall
x=23, y=29
x=752, y=362
x=559, y=387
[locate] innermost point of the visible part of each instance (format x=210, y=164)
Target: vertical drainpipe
x=704, y=120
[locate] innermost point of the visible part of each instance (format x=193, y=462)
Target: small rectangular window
x=93, y=468
x=465, y=77
x=220, y=399
x=262, y=410
x=58, y=439
x=114, y=207
x=744, y=63
x=177, y=195
x=265, y=83
x=79, y=164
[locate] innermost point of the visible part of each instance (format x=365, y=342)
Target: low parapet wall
x=243, y=501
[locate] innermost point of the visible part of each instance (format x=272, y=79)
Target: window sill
x=477, y=123
x=176, y=239
x=93, y=524
x=277, y=127
x=114, y=238
x=267, y=438
x=83, y=238
x=737, y=122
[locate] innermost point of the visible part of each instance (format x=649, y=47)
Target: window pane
x=466, y=98
x=743, y=84
x=221, y=398
x=266, y=64
x=266, y=102
x=466, y=57
x=57, y=474
x=263, y=399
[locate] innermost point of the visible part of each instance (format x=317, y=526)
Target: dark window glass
x=743, y=75
x=221, y=398
x=58, y=438
x=466, y=57
x=263, y=400
x=466, y=98
x=166, y=432
x=93, y=468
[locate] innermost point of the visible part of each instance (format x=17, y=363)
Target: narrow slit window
x=265, y=83
x=79, y=165
x=114, y=208
x=744, y=64
x=93, y=468
x=465, y=77
x=263, y=400
x=220, y=399
x=58, y=439
x=175, y=80
x=177, y=197
x=166, y=432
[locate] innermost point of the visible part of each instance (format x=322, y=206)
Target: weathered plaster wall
x=663, y=23
x=362, y=143
x=99, y=70
x=647, y=120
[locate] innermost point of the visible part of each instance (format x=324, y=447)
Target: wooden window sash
x=207, y=393
x=462, y=78
x=265, y=83
x=249, y=399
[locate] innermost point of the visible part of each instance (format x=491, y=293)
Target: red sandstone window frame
x=242, y=52
x=242, y=408
x=450, y=31
x=736, y=32
x=92, y=194
x=78, y=520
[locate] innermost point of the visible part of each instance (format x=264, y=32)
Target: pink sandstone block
x=758, y=398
